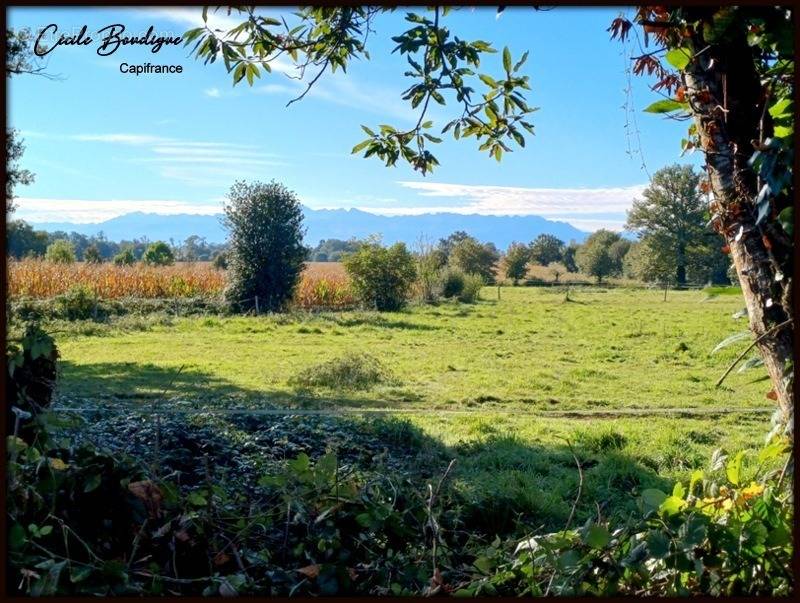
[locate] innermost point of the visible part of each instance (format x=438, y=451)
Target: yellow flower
x=58, y=464
x=752, y=491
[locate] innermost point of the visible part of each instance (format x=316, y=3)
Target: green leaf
x=653, y=498
x=783, y=131
x=92, y=483
x=782, y=107
x=734, y=468
x=679, y=57
x=672, y=505
x=678, y=490
x=729, y=340
x=507, y=59
x=197, y=499
x=597, y=536
x=657, y=544
x=16, y=537
x=361, y=146
x=772, y=451
x=665, y=106
x=786, y=218
x=488, y=80
x=483, y=564
x=79, y=574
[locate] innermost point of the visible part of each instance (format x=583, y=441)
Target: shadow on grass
x=501, y=483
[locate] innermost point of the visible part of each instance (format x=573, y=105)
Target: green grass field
x=501, y=386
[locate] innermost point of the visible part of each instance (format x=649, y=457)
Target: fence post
x=257, y=310
x=498, y=292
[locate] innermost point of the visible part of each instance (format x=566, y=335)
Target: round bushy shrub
x=77, y=303
x=126, y=257
x=452, y=282
x=381, y=277
x=158, y=254
x=60, y=251
x=265, y=249
x=473, y=283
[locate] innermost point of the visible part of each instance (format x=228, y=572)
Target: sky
x=104, y=143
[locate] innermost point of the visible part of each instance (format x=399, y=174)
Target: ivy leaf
x=679, y=57
x=664, y=106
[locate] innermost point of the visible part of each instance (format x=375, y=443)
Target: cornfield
x=323, y=284
x=41, y=279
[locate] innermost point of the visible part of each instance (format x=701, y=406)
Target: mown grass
x=531, y=350
x=503, y=365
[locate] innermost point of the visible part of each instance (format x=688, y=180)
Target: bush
x=158, y=254
x=704, y=538
x=92, y=255
x=353, y=371
x=473, y=283
x=220, y=261
x=452, y=282
x=381, y=277
x=77, y=303
x=60, y=251
x=265, y=250
x=126, y=257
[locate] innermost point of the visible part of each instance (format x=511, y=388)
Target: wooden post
x=666, y=285
x=498, y=292
x=257, y=310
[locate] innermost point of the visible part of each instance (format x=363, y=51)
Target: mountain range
x=333, y=224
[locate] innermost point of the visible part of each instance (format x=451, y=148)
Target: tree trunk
x=724, y=93
x=680, y=276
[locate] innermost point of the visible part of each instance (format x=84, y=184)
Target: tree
x=569, y=257
x=546, y=249
x=618, y=250
x=648, y=265
x=126, y=257
x=19, y=59
x=158, y=254
x=672, y=215
x=446, y=245
x=516, y=261
x=471, y=257
x=733, y=77
x=594, y=257
x=24, y=241
x=15, y=175
x=730, y=70
x=60, y=251
x=92, y=255
x=265, y=245
x=381, y=277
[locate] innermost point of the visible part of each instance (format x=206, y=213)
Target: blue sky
x=103, y=143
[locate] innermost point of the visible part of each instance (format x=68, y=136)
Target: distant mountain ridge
x=333, y=224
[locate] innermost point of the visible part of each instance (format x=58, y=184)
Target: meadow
x=504, y=386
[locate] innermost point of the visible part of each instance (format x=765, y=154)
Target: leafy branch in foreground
x=328, y=39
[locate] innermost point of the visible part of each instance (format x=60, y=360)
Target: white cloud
x=90, y=211
x=212, y=92
x=487, y=199
x=134, y=139
x=190, y=161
